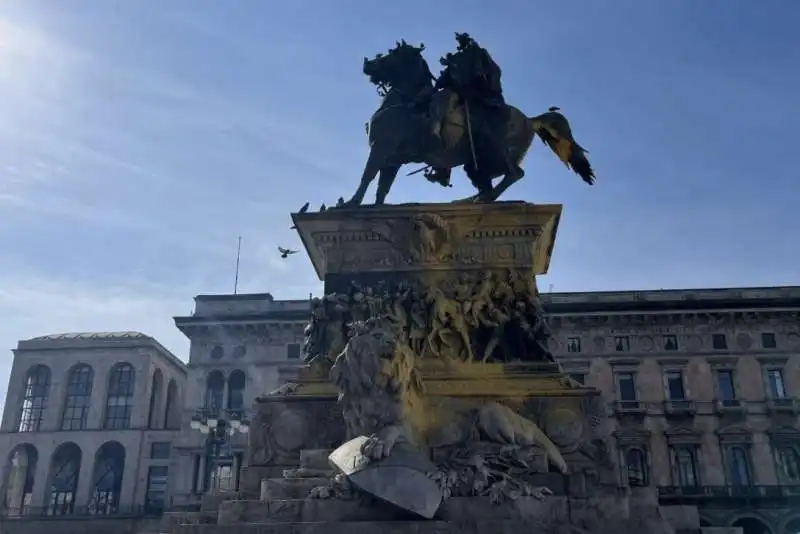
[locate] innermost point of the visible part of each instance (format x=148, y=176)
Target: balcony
x=695, y=494
x=785, y=405
x=680, y=408
x=729, y=406
x=630, y=407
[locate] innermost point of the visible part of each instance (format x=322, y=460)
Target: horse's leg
x=370, y=170
x=385, y=181
x=507, y=181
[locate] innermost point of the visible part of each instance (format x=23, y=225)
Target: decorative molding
x=624, y=363
x=683, y=435
x=632, y=436
x=767, y=361
x=722, y=362
x=734, y=435
x=783, y=435
x=576, y=366
x=673, y=362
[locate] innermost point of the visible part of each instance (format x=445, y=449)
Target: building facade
x=240, y=346
x=702, y=389
x=88, y=424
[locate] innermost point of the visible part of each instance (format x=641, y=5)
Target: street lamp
x=218, y=432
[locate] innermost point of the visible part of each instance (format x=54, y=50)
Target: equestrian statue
x=458, y=119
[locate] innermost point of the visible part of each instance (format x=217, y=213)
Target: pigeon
x=285, y=252
x=304, y=208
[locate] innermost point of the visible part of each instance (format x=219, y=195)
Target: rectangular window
x=293, y=351
x=622, y=344
x=788, y=463
x=768, y=340
x=670, y=343
x=573, y=344
x=76, y=410
x=738, y=466
x=725, y=386
x=719, y=342
x=675, y=390
x=580, y=378
x=160, y=450
x=154, y=499
x=775, y=386
x=626, y=389
x=684, y=462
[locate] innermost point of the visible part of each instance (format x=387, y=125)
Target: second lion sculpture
x=484, y=448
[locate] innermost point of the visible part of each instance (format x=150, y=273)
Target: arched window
x=63, y=479
x=636, y=463
x=236, y=384
x=788, y=464
x=738, y=466
x=685, y=461
x=34, y=400
x=171, y=414
x=119, y=400
x=20, y=474
x=79, y=398
x=215, y=391
x=109, y=466
x=156, y=394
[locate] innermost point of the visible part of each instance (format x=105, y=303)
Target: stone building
x=702, y=388
x=88, y=425
x=240, y=345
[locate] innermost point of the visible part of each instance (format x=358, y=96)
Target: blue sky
x=138, y=139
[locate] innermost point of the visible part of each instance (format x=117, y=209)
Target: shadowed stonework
x=430, y=401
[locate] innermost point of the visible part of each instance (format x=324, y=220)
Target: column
x=41, y=496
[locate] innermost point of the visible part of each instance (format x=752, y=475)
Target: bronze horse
x=399, y=134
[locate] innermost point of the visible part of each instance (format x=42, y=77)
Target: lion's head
x=377, y=378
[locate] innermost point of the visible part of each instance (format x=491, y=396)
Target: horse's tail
x=555, y=131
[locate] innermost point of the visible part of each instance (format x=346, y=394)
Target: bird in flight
x=285, y=252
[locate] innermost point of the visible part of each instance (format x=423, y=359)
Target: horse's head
x=399, y=63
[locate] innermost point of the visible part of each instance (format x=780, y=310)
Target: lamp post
x=218, y=431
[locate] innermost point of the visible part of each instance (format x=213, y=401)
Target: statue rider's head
x=464, y=40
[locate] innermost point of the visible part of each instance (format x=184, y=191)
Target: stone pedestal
x=438, y=246
x=432, y=242
x=453, y=253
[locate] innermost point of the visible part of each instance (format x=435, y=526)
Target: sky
x=139, y=139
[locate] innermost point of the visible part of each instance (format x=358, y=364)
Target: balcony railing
x=728, y=492
x=680, y=407
x=689, y=407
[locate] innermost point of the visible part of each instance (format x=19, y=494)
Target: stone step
x=315, y=458
x=334, y=510
x=371, y=527
x=292, y=488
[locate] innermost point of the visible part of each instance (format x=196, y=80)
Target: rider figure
x=475, y=77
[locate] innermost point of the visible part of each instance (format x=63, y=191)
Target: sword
x=469, y=134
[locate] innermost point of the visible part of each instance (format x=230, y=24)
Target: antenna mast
x=238, y=254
